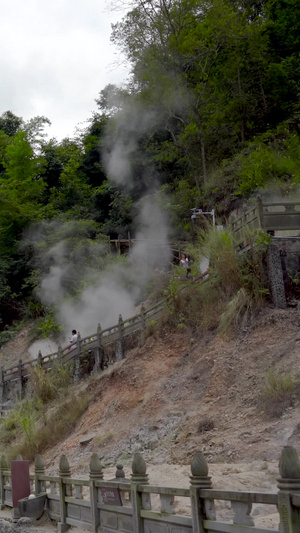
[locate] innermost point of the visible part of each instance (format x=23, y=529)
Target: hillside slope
x=156, y=398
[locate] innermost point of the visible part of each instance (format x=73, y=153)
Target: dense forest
x=209, y=115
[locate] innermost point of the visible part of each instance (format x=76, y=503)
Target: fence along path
x=127, y=505
x=265, y=216
x=15, y=376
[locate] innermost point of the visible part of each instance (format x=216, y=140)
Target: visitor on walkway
x=73, y=339
x=184, y=263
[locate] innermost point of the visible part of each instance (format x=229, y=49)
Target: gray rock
x=25, y=521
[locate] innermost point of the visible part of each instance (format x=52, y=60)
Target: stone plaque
x=111, y=496
x=20, y=483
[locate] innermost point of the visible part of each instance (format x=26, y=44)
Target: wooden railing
x=94, y=344
x=267, y=216
x=123, y=505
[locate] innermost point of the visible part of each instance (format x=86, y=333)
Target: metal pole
x=213, y=217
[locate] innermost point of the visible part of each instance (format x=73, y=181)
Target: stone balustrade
x=126, y=505
x=87, y=356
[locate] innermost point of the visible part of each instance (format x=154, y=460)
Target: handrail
x=108, y=336
x=261, y=216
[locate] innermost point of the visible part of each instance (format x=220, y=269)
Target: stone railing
x=267, y=216
x=123, y=505
x=87, y=355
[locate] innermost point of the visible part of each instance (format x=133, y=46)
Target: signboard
x=111, y=496
x=20, y=483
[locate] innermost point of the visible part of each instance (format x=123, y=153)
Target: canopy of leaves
x=210, y=113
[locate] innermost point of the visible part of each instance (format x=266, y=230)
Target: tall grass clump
x=46, y=414
x=277, y=394
x=47, y=385
x=232, y=288
x=35, y=432
x=224, y=263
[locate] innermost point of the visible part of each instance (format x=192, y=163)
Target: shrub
x=278, y=394
x=234, y=287
x=237, y=309
x=37, y=431
x=224, y=263
x=41, y=384
x=206, y=424
x=47, y=385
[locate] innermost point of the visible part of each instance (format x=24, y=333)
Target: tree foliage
x=210, y=113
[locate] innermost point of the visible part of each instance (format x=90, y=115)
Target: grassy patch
x=278, y=394
x=35, y=432
x=44, y=385
x=233, y=287
x=45, y=416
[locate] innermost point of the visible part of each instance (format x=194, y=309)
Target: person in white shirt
x=73, y=339
x=184, y=262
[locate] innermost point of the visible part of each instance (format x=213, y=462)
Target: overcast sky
x=55, y=58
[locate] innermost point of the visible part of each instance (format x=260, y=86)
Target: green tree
x=10, y=123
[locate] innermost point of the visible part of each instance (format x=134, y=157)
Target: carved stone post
x=288, y=483
x=120, y=478
x=143, y=325
x=95, y=474
x=120, y=351
x=77, y=351
x=199, y=479
x=3, y=468
x=98, y=352
x=38, y=470
x=39, y=358
x=64, y=471
x=120, y=474
x=275, y=275
x=21, y=384
x=139, y=500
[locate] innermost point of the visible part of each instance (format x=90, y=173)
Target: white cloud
x=55, y=58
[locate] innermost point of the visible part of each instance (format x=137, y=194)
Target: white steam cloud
x=111, y=289
x=121, y=142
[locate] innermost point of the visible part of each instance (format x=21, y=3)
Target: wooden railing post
x=64, y=471
x=95, y=474
x=288, y=483
x=139, y=501
x=3, y=467
x=143, y=325
x=77, y=358
x=38, y=470
x=200, y=480
x=120, y=352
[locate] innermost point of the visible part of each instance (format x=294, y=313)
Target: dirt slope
x=156, y=398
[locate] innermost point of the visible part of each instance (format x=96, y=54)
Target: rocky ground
x=25, y=525
x=181, y=392
x=185, y=391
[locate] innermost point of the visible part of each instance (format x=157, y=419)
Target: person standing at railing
x=73, y=339
x=184, y=263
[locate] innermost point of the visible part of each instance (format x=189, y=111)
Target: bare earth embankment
x=157, y=399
